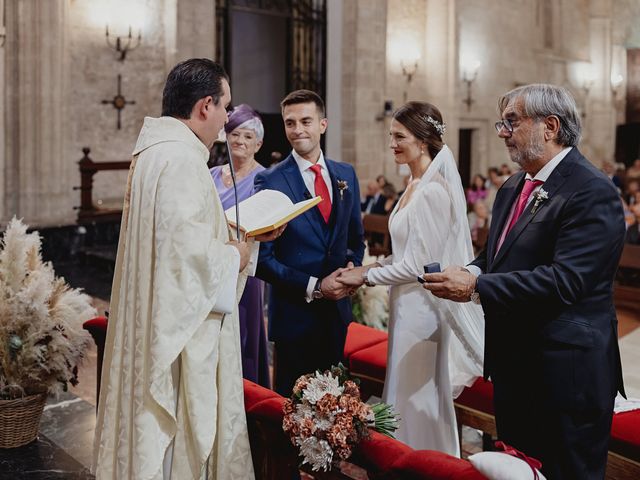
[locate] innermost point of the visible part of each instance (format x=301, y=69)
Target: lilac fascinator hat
x=243, y=116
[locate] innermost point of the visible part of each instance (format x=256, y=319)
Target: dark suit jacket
x=378, y=205
x=547, y=294
x=309, y=247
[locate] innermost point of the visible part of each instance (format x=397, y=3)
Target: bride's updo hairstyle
x=424, y=121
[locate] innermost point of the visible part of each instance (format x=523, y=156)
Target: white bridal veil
x=448, y=238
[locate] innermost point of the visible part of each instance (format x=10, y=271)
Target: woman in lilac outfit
x=245, y=133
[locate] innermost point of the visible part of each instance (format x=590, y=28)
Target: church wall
x=56, y=68
x=527, y=42
x=59, y=68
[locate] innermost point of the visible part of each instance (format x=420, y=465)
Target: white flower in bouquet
x=317, y=453
x=320, y=385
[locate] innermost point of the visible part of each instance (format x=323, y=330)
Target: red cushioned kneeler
x=625, y=434
x=360, y=337
x=97, y=327
x=379, y=452
x=422, y=464
x=478, y=396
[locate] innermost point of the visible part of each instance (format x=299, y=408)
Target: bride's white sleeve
x=429, y=219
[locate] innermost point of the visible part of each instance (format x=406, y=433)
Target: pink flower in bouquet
x=301, y=384
x=307, y=428
x=350, y=388
x=288, y=407
x=327, y=404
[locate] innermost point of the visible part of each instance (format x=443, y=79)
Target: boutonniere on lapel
x=539, y=197
x=342, y=186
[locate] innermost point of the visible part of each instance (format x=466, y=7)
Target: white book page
x=264, y=208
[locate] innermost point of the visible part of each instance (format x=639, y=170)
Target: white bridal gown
x=424, y=355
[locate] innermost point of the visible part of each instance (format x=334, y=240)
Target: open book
x=267, y=210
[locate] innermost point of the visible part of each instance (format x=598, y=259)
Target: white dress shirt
x=309, y=178
x=542, y=176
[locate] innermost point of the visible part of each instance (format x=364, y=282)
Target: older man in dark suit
x=545, y=284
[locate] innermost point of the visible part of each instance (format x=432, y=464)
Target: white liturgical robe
x=172, y=264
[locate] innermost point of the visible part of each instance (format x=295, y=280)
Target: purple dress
x=253, y=339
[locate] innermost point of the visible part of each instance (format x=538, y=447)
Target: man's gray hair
x=541, y=100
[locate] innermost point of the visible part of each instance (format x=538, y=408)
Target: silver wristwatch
x=475, y=295
x=365, y=279
x=317, y=291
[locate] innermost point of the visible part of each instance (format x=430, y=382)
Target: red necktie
x=529, y=186
x=321, y=190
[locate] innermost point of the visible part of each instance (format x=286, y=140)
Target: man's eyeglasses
x=506, y=124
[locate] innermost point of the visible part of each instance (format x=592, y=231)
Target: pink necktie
x=321, y=190
x=529, y=186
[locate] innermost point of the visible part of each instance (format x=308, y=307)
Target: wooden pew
x=376, y=230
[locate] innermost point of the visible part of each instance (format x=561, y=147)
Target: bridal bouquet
x=326, y=418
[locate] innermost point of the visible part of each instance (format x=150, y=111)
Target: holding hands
x=331, y=286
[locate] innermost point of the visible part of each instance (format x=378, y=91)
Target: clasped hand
x=344, y=281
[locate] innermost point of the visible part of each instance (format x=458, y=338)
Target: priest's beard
x=528, y=154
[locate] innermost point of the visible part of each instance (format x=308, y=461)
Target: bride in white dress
x=435, y=346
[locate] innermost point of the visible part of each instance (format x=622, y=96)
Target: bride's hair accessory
x=440, y=127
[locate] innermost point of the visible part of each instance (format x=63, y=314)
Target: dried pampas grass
x=41, y=336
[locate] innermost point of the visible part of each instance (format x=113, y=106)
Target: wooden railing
x=87, y=211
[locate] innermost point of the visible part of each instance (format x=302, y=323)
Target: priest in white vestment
x=171, y=403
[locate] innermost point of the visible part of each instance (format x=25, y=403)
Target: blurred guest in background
x=633, y=231
x=374, y=201
x=382, y=180
x=634, y=170
x=477, y=190
x=609, y=170
x=391, y=197
x=479, y=219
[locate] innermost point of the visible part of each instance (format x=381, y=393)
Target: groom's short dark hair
x=304, y=96
x=188, y=82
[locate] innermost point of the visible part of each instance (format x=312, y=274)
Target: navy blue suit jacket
x=548, y=292
x=309, y=247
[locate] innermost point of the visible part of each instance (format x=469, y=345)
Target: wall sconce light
x=387, y=110
x=616, y=83
x=122, y=45
x=469, y=74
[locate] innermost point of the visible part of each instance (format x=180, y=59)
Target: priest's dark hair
x=304, y=96
x=423, y=120
x=188, y=82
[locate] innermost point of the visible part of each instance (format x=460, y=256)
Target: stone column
x=599, y=127
x=3, y=99
x=36, y=173
x=363, y=88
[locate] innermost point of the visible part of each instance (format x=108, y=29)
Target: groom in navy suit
x=309, y=311
x=545, y=282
